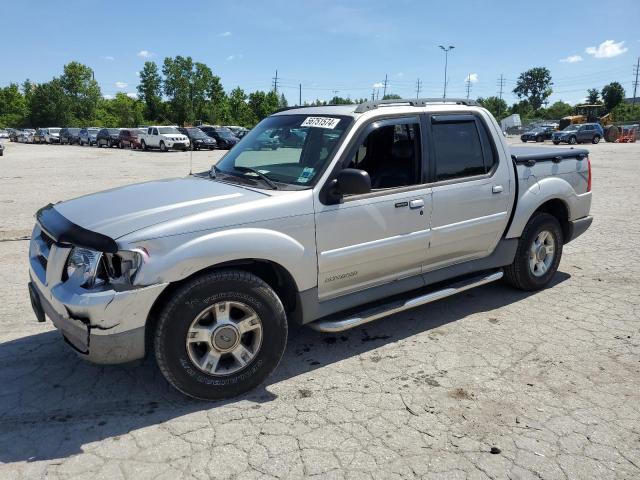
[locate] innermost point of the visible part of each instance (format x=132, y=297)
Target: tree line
x=185, y=92
x=534, y=87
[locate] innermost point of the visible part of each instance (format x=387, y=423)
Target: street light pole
x=446, y=61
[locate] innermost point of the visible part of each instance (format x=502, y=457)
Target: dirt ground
x=492, y=383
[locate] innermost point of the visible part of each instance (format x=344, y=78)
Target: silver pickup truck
x=348, y=214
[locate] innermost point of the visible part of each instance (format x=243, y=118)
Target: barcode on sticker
x=320, y=122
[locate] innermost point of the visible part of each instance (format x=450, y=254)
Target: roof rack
x=414, y=102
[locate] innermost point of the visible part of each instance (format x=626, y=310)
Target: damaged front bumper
x=103, y=325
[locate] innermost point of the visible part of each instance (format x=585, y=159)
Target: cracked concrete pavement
x=548, y=381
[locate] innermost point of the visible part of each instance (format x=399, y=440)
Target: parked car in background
x=88, y=136
x=237, y=130
x=52, y=135
x=1, y=149
x=4, y=134
x=26, y=135
x=13, y=134
x=69, y=136
x=108, y=137
x=129, y=138
x=198, y=138
x=222, y=135
x=538, y=134
x=39, y=136
x=579, y=133
x=164, y=138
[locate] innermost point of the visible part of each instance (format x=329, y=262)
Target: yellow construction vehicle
x=592, y=113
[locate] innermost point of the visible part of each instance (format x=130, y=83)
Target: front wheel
x=539, y=139
x=143, y=145
x=555, y=142
x=573, y=140
x=163, y=147
x=596, y=139
x=538, y=254
x=221, y=335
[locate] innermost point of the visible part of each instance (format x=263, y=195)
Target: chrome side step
x=374, y=313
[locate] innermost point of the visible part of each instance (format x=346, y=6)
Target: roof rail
x=414, y=102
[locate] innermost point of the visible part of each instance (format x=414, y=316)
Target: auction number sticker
x=321, y=122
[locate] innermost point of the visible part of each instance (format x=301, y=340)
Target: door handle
x=418, y=203
x=496, y=189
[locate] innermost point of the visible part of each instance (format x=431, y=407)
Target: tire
x=526, y=273
x=186, y=365
x=143, y=145
x=555, y=142
x=120, y=145
x=109, y=143
x=573, y=140
x=163, y=147
x=596, y=139
x=539, y=139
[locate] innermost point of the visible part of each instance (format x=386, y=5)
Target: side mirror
x=352, y=181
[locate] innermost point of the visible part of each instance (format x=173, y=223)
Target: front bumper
x=102, y=325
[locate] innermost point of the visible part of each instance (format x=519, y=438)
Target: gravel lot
x=550, y=381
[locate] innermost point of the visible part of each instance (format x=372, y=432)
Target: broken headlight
x=82, y=267
x=90, y=268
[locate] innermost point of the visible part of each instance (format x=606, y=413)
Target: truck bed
x=542, y=154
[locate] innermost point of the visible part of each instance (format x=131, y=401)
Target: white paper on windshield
x=321, y=122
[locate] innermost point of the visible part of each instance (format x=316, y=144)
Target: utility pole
x=384, y=92
x=468, y=82
x=635, y=83
x=418, y=88
x=300, y=94
x=446, y=61
x=501, y=86
x=373, y=94
x=275, y=82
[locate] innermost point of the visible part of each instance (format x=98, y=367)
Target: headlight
x=82, y=267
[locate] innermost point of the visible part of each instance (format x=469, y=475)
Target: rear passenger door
x=471, y=190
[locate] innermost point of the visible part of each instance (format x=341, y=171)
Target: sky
x=332, y=47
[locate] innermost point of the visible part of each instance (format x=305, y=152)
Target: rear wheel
x=555, y=142
x=539, y=139
x=220, y=335
x=538, y=254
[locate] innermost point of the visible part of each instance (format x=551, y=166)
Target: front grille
x=48, y=241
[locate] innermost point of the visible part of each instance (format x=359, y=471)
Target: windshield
x=196, y=133
x=289, y=149
x=570, y=128
x=54, y=130
x=113, y=131
x=93, y=130
x=168, y=130
x=224, y=133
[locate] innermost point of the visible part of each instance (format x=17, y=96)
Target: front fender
x=184, y=258
x=540, y=192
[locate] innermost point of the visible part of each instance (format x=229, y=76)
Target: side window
x=155, y=131
x=459, y=151
x=390, y=154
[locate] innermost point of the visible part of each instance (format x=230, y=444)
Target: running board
x=379, y=311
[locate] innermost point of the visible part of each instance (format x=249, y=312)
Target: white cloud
x=107, y=97
x=237, y=56
x=132, y=95
x=224, y=34
x=472, y=77
x=231, y=57
x=109, y=58
x=137, y=74
x=120, y=84
x=571, y=59
x=145, y=54
x=607, y=49
x=378, y=85
x=400, y=74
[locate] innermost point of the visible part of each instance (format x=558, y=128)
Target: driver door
x=382, y=236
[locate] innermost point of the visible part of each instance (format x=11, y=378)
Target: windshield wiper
x=266, y=179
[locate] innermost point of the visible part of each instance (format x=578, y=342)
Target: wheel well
x=275, y=275
x=558, y=209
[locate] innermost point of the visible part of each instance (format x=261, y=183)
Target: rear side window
x=458, y=147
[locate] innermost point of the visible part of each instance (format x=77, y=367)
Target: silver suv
x=351, y=213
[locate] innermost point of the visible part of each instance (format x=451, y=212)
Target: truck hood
x=120, y=211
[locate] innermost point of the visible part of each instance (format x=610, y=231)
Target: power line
x=635, y=83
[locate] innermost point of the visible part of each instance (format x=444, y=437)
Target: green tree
x=282, y=102
x=534, y=86
x=391, y=96
x=219, y=101
x=496, y=106
x=593, y=96
x=50, y=106
x=523, y=108
x=626, y=112
x=83, y=91
x=340, y=101
x=127, y=111
x=239, y=111
x=612, y=95
x=13, y=106
x=263, y=104
x=150, y=90
x=558, y=110
x=178, y=73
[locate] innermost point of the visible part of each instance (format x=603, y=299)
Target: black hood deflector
x=64, y=231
